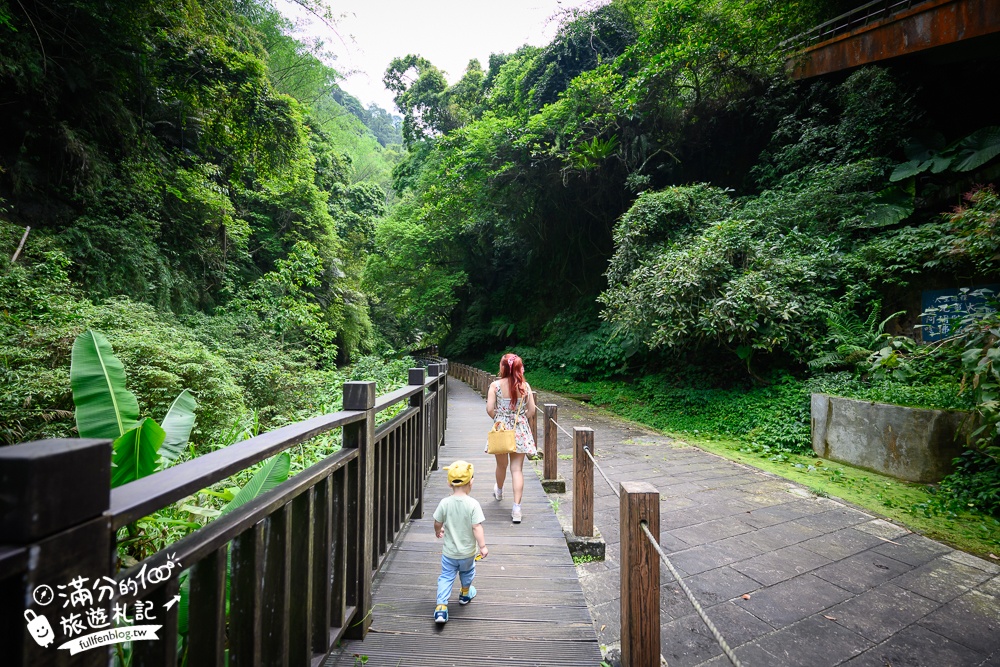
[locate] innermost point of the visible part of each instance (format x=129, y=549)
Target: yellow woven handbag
x=500, y=440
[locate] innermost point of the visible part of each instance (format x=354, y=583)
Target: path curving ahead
x=530, y=608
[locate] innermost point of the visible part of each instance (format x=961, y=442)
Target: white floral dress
x=523, y=436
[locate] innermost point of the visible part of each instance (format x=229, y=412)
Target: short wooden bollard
x=550, y=467
x=583, y=482
x=640, y=575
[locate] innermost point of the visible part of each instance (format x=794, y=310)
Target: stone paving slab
x=828, y=584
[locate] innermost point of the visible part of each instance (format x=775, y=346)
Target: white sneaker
x=497, y=492
x=515, y=514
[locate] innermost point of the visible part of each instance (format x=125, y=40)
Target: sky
x=370, y=33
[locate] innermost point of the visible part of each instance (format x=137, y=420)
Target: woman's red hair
x=512, y=367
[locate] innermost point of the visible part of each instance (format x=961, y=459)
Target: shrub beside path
x=787, y=577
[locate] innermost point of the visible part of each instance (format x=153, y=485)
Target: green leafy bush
x=975, y=483
x=758, y=280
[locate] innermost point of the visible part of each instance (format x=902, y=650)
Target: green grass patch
x=768, y=428
x=916, y=506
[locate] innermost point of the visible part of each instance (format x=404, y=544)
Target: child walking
x=459, y=520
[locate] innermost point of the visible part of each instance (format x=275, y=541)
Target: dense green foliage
x=244, y=375
x=649, y=196
x=189, y=155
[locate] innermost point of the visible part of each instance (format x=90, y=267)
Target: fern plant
x=855, y=341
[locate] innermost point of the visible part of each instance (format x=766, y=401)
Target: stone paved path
x=828, y=584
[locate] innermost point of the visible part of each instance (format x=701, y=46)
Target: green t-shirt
x=459, y=513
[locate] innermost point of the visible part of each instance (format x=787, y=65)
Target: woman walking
x=509, y=401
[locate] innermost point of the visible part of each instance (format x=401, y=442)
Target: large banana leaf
x=137, y=452
x=271, y=474
x=104, y=407
x=178, y=424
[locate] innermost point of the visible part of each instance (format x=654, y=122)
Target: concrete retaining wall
x=913, y=444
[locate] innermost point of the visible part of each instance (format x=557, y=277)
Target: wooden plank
x=245, y=598
x=381, y=498
x=338, y=553
x=220, y=532
x=322, y=540
x=440, y=648
x=417, y=376
x=207, y=611
x=300, y=581
x=275, y=589
x=160, y=652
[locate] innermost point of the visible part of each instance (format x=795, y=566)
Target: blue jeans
x=464, y=567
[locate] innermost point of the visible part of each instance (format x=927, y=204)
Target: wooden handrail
x=298, y=561
x=144, y=496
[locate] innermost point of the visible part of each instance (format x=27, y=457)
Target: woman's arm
x=530, y=410
x=491, y=400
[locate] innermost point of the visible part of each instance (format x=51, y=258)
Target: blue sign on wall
x=942, y=308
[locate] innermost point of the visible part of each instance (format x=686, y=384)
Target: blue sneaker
x=441, y=613
x=466, y=599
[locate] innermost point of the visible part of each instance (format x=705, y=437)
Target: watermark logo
x=39, y=628
x=113, y=636
x=84, y=618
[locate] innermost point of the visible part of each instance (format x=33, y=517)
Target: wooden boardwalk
x=530, y=608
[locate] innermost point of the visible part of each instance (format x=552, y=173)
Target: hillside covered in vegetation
x=199, y=188
x=654, y=214
x=648, y=209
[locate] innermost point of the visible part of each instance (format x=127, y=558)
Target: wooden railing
x=296, y=563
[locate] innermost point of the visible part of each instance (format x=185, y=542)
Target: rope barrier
x=617, y=493
x=666, y=561
x=568, y=434
x=690, y=596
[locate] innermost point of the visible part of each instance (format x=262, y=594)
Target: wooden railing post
x=444, y=402
x=418, y=376
x=640, y=575
x=433, y=370
x=361, y=435
x=583, y=482
x=54, y=504
x=551, y=463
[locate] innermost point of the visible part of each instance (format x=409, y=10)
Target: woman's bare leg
x=517, y=476
x=501, y=469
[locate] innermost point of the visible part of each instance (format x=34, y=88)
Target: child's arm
x=477, y=530
x=439, y=529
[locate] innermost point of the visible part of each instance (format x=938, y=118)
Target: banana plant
x=105, y=408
